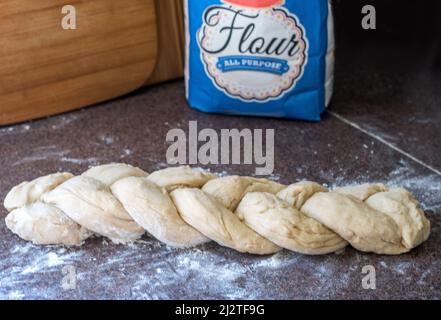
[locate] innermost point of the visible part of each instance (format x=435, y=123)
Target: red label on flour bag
x=255, y=3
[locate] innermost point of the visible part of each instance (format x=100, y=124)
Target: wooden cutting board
x=171, y=41
x=45, y=69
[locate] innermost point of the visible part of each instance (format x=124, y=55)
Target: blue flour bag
x=270, y=58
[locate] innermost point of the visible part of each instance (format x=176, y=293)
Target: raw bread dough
x=45, y=224
x=209, y=216
x=186, y=207
x=229, y=191
x=400, y=205
x=362, y=192
x=180, y=177
x=286, y=226
x=365, y=228
x=297, y=194
x=41, y=223
x=91, y=204
x=388, y=222
x=111, y=173
x=30, y=192
x=151, y=207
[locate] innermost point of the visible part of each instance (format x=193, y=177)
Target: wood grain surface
x=171, y=41
x=45, y=69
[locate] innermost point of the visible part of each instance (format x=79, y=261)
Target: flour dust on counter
x=55, y=123
x=201, y=271
x=52, y=152
x=24, y=128
x=147, y=269
x=426, y=185
x=150, y=270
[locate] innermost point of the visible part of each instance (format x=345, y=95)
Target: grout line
x=383, y=141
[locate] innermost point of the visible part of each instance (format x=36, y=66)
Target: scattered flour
x=148, y=269
x=52, y=152
x=53, y=260
x=15, y=295
x=62, y=121
x=402, y=268
x=161, y=165
x=16, y=129
x=89, y=161
x=427, y=188
x=126, y=153
x=41, y=154
x=422, y=279
x=107, y=139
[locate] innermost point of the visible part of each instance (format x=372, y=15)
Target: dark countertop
x=383, y=126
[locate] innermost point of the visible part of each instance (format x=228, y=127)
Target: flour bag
x=271, y=58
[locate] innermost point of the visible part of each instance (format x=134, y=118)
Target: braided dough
x=186, y=207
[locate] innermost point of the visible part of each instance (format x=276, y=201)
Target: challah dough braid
x=185, y=207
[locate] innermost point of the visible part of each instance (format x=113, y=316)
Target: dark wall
x=411, y=26
x=396, y=19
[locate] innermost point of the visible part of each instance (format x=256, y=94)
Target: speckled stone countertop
x=382, y=126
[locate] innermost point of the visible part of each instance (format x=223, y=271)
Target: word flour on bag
x=260, y=57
